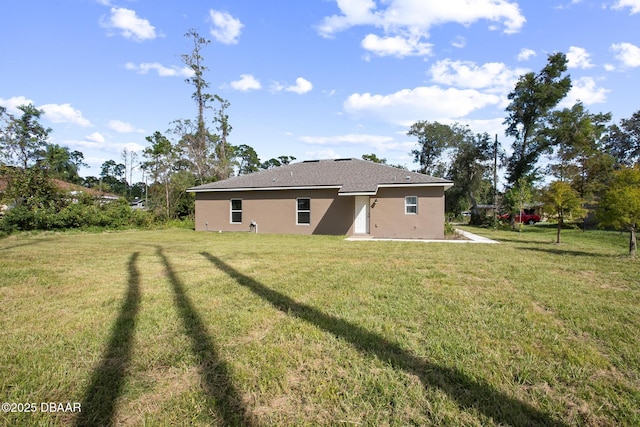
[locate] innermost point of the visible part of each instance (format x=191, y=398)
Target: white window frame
x=232, y=211
x=298, y=211
x=408, y=205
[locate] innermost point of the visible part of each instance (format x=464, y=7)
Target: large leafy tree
x=112, y=178
x=620, y=204
x=276, y=162
x=160, y=158
x=23, y=139
x=247, y=159
x=63, y=163
x=433, y=139
x=470, y=170
x=532, y=100
x=624, y=141
x=562, y=201
x=578, y=138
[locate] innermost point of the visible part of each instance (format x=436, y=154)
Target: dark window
x=303, y=211
x=236, y=211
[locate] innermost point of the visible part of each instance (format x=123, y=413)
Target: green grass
x=174, y=327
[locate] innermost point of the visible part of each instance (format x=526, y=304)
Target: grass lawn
x=174, y=327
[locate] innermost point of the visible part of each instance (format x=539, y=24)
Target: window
x=236, y=211
x=303, y=211
x=411, y=205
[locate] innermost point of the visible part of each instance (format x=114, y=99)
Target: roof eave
x=445, y=184
x=308, y=187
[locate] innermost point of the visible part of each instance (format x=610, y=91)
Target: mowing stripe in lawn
x=468, y=392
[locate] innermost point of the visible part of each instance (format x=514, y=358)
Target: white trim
x=361, y=193
x=424, y=184
x=446, y=185
x=373, y=193
x=407, y=205
x=298, y=211
x=231, y=210
x=361, y=215
x=209, y=190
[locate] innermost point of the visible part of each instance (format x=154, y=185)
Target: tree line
x=592, y=165
x=189, y=153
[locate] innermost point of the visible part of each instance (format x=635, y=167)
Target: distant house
x=137, y=204
x=339, y=197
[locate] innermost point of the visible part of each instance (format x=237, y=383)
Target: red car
x=527, y=218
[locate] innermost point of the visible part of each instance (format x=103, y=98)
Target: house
x=339, y=197
x=138, y=204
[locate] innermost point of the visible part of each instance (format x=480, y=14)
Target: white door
x=361, y=221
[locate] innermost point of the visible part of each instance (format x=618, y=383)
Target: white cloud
x=585, y=90
x=93, y=142
x=276, y=87
x=578, y=57
x=379, y=143
x=64, y=113
x=129, y=25
x=396, y=46
x=55, y=113
x=13, y=103
x=493, y=77
x=226, y=29
x=162, y=71
x=408, y=105
x=302, y=86
x=627, y=53
x=321, y=154
x=633, y=4
x=95, y=137
x=417, y=17
x=246, y=83
x=525, y=54
x=459, y=42
x=123, y=127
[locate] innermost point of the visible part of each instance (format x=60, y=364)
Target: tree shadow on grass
x=469, y=393
x=214, y=372
x=99, y=401
x=560, y=251
x=17, y=245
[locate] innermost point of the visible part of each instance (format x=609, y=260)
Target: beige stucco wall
x=275, y=212
x=388, y=218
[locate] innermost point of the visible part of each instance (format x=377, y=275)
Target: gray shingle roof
x=348, y=175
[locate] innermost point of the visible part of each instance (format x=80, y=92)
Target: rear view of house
x=339, y=197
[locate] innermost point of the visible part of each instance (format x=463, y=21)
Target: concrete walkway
x=470, y=238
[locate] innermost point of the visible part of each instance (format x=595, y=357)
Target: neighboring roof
x=68, y=187
x=350, y=176
x=75, y=189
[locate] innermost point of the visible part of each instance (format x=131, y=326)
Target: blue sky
x=313, y=78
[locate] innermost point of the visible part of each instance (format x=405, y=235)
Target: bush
x=449, y=229
x=20, y=218
x=85, y=213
